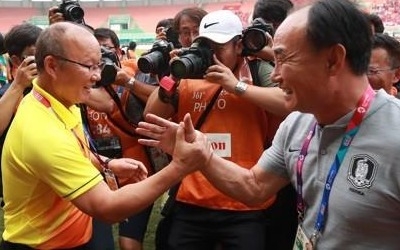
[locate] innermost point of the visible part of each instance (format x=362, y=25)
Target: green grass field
x=148, y=243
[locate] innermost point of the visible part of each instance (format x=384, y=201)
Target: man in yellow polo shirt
x=52, y=182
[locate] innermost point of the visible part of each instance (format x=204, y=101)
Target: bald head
x=58, y=38
x=294, y=26
x=297, y=20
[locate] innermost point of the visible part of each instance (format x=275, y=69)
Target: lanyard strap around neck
x=351, y=130
x=82, y=141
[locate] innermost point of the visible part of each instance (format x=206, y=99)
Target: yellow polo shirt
x=44, y=168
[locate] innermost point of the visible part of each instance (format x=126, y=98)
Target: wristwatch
x=240, y=87
x=130, y=83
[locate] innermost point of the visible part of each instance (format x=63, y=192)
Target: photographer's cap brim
x=220, y=26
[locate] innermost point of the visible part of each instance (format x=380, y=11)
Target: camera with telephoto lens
x=72, y=11
x=254, y=38
x=109, y=71
x=156, y=60
x=193, y=61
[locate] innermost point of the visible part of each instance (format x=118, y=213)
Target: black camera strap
x=208, y=109
x=149, y=151
x=254, y=65
x=86, y=126
x=110, y=90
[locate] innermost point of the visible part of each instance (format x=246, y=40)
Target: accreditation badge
x=302, y=242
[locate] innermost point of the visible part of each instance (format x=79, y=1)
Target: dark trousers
x=102, y=236
x=189, y=227
x=196, y=228
x=282, y=220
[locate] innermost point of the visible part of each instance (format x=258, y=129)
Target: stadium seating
x=13, y=16
x=145, y=16
x=140, y=21
x=98, y=17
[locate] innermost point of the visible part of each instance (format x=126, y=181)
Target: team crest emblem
x=362, y=171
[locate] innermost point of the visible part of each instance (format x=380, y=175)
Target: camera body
x=173, y=37
x=109, y=146
x=30, y=61
x=193, y=62
x=109, y=71
x=72, y=11
x=156, y=60
x=254, y=38
x=259, y=24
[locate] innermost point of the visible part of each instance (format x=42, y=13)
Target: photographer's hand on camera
x=175, y=53
x=134, y=86
x=122, y=77
x=54, y=15
x=161, y=34
x=222, y=75
x=26, y=72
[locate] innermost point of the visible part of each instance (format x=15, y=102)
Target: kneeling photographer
x=223, y=113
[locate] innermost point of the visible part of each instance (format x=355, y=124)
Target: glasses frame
x=188, y=33
x=91, y=68
x=109, y=47
x=374, y=72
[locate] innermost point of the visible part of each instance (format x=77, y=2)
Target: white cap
x=220, y=26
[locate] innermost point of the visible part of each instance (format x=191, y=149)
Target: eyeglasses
x=188, y=33
x=91, y=68
x=375, y=71
x=108, y=47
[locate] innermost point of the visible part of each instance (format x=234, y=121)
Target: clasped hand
x=189, y=148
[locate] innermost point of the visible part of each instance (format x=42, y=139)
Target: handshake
x=189, y=148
